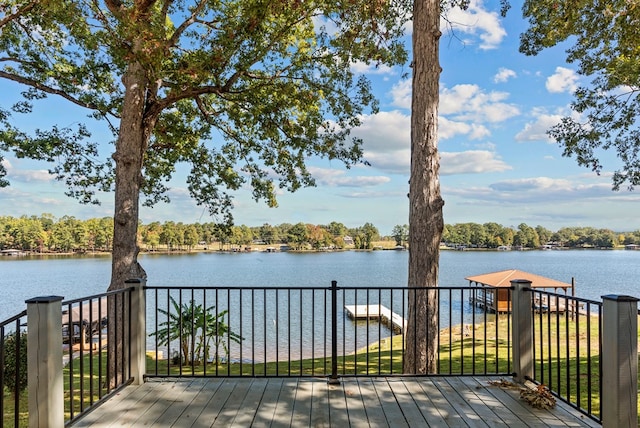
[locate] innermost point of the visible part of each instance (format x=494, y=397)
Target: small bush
x=15, y=375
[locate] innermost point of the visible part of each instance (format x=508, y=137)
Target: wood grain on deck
x=303, y=402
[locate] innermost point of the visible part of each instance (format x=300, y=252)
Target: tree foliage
x=47, y=234
x=15, y=361
x=604, y=43
x=241, y=91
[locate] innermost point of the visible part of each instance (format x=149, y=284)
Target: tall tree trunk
x=425, y=203
x=128, y=157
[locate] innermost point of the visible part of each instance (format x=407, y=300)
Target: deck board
x=410, y=410
x=470, y=416
x=355, y=402
x=320, y=405
x=373, y=410
x=337, y=409
x=191, y=414
x=267, y=406
x=284, y=404
x=301, y=416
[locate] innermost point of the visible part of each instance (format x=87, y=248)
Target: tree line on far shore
x=69, y=234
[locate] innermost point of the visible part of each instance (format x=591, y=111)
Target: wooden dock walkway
x=312, y=402
x=380, y=312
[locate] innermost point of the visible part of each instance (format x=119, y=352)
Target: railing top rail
x=222, y=287
x=276, y=287
x=13, y=318
x=97, y=296
x=565, y=296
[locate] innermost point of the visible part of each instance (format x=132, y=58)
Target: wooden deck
x=356, y=402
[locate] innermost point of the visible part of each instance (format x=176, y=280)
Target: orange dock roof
x=503, y=278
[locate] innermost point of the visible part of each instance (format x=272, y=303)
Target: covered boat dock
x=493, y=290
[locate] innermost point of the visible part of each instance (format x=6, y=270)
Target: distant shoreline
x=202, y=249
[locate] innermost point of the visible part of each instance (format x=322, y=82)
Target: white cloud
x=397, y=162
x=471, y=162
x=360, y=67
x=476, y=22
x=464, y=103
x=26, y=175
x=563, y=80
x=386, y=131
x=537, y=130
x=536, y=191
x=503, y=75
x=401, y=94
x=543, y=122
x=450, y=128
x=339, y=178
x=469, y=102
x=387, y=138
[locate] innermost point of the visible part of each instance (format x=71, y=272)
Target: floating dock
x=393, y=320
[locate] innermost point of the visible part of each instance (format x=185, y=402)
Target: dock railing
x=586, y=356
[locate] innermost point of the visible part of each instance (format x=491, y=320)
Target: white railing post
x=521, y=335
x=619, y=401
x=44, y=362
x=138, y=339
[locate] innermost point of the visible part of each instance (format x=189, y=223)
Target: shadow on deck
x=302, y=402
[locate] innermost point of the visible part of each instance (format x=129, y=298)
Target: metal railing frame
x=325, y=301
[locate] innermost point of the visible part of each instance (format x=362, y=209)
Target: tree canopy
x=604, y=41
x=242, y=91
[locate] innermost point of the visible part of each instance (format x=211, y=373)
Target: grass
x=9, y=409
x=79, y=391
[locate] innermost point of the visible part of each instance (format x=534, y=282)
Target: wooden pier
x=380, y=312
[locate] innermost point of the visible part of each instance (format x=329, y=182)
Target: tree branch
x=115, y=7
x=4, y=21
x=44, y=88
x=187, y=23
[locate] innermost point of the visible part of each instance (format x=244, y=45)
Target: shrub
x=15, y=369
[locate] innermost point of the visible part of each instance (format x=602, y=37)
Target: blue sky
x=497, y=164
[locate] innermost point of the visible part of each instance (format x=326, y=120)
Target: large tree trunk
x=128, y=157
x=425, y=203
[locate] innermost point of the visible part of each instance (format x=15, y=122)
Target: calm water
x=596, y=272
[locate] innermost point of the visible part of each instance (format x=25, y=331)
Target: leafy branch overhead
x=242, y=91
x=604, y=40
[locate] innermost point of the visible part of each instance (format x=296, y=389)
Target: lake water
x=596, y=272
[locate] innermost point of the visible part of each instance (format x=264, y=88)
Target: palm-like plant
x=195, y=328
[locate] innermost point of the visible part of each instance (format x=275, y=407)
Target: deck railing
x=567, y=349
x=289, y=331
x=55, y=360
x=92, y=369
x=13, y=370
x=584, y=351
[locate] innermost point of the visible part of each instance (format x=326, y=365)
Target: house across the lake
x=12, y=252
